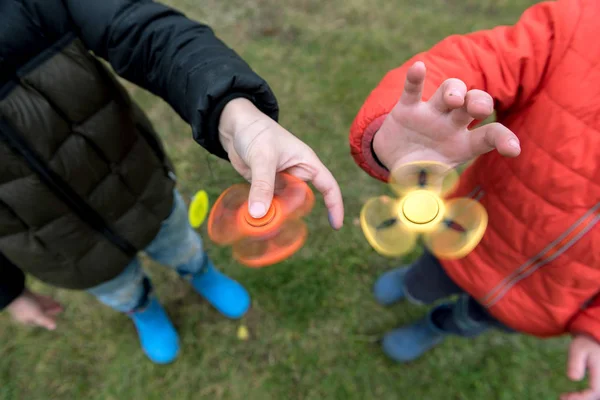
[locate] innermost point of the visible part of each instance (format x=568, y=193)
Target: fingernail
x=258, y=210
x=489, y=107
x=331, y=222
x=454, y=92
x=514, y=143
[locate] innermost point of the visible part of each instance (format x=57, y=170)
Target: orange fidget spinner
x=259, y=242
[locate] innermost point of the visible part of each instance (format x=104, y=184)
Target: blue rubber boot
x=408, y=343
x=389, y=287
x=223, y=293
x=157, y=334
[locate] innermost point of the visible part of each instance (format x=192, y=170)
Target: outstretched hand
x=584, y=358
x=437, y=130
x=34, y=309
x=259, y=148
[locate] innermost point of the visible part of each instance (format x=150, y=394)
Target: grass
x=313, y=326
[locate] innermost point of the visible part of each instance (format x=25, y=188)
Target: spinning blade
x=258, y=242
x=384, y=230
x=423, y=175
x=296, y=198
x=262, y=251
x=223, y=226
x=461, y=231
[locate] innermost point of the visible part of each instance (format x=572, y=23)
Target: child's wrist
x=14, y=303
x=379, y=149
x=389, y=152
x=237, y=116
x=581, y=334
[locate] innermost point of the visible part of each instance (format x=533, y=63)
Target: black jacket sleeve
x=178, y=59
x=12, y=282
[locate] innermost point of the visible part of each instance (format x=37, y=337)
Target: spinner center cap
x=420, y=207
x=263, y=221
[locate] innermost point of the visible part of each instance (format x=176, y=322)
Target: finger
x=494, y=136
x=478, y=105
x=325, y=183
x=572, y=396
x=577, y=364
x=54, y=311
x=461, y=117
x=413, y=86
x=48, y=303
x=449, y=96
x=594, y=376
x=263, y=168
x=44, y=321
x=584, y=395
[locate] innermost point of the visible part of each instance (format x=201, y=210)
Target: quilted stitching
x=99, y=151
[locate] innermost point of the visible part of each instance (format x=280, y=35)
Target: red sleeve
x=508, y=62
x=587, y=321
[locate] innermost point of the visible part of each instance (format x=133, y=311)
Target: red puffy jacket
x=537, y=268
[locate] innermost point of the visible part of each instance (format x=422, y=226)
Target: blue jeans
x=176, y=246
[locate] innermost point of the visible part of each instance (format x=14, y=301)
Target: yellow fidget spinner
x=449, y=228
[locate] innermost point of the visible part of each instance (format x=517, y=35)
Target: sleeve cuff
x=584, y=323
x=232, y=78
x=211, y=141
x=365, y=156
x=12, y=282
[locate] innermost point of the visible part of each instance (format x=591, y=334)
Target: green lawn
x=314, y=326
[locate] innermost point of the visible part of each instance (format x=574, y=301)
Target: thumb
x=45, y=321
x=494, y=136
x=262, y=185
x=577, y=363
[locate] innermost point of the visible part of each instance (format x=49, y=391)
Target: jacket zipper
x=62, y=190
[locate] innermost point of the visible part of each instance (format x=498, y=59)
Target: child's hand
x=584, y=354
x=34, y=309
x=437, y=130
x=259, y=147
